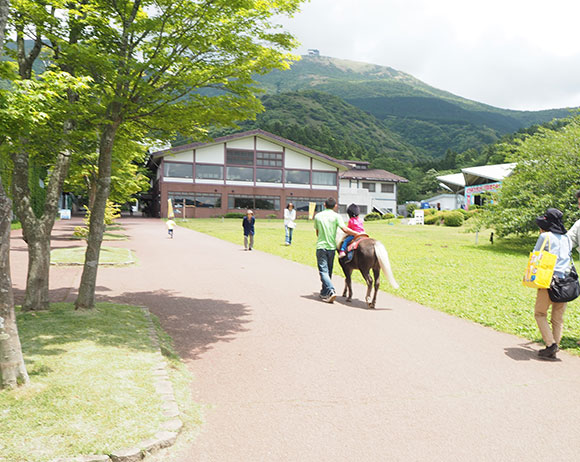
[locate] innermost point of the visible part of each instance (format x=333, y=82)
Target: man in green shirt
x=326, y=224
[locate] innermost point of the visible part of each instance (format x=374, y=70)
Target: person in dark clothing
x=249, y=230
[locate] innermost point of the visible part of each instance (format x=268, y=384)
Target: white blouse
x=289, y=217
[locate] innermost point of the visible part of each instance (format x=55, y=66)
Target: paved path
x=289, y=378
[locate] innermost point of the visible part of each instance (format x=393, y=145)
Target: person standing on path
x=289, y=223
x=553, y=236
x=326, y=224
x=249, y=230
x=574, y=233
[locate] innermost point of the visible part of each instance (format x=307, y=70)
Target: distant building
x=472, y=182
x=445, y=201
x=370, y=189
x=313, y=52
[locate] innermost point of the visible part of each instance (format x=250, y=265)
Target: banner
x=170, y=213
x=311, y=210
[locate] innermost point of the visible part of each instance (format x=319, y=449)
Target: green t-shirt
x=326, y=223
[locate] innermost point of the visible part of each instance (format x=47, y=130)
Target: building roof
x=487, y=173
x=456, y=182
x=341, y=165
x=373, y=175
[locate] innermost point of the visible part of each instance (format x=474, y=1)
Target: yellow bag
x=540, y=267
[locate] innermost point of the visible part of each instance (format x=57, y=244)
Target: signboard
x=472, y=191
x=419, y=217
x=311, y=209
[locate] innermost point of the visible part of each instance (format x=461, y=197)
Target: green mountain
x=425, y=117
x=327, y=123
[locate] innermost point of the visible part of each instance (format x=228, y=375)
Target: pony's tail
x=383, y=258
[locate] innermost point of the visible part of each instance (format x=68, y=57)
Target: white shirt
x=289, y=217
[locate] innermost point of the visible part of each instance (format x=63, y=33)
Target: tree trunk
x=86, y=297
x=36, y=231
x=12, y=368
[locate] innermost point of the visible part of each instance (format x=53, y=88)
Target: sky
x=512, y=54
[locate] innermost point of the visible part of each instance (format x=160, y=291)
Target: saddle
x=356, y=241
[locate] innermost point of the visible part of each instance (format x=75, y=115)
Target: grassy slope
x=437, y=266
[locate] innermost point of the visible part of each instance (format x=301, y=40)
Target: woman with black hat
x=553, y=238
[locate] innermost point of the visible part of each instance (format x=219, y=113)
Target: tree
x=547, y=175
x=150, y=60
x=12, y=367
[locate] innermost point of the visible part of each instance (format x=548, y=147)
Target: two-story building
x=368, y=188
x=251, y=170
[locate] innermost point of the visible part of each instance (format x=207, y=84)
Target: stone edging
x=169, y=430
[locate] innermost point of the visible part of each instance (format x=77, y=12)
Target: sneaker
x=341, y=254
x=549, y=352
x=331, y=297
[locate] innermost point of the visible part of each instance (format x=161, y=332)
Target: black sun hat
x=552, y=221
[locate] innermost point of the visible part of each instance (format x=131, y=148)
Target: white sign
x=419, y=217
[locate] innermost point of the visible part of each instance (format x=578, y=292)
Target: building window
x=324, y=178
x=297, y=176
x=177, y=170
x=371, y=187
x=179, y=199
x=209, y=172
x=363, y=209
x=269, y=159
x=240, y=201
x=240, y=173
x=388, y=188
x=267, y=203
x=342, y=208
x=268, y=175
x=206, y=200
x=301, y=204
x=239, y=157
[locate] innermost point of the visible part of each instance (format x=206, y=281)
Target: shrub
x=411, y=208
x=234, y=215
x=427, y=212
x=388, y=216
x=372, y=216
x=453, y=218
x=271, y=216
x=302, y=217
x=432, y=219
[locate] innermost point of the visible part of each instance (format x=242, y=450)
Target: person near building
x=248, y=223
x=326, y=223
x=289, y=222
x=553, y=238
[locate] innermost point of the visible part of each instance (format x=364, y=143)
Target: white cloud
x=508, y=53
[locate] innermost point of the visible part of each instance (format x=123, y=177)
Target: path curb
x=169, y=430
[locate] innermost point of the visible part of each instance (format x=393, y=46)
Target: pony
x=369, y=255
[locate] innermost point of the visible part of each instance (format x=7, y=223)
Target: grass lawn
x=437, y=266
x=76, y=256
x=15, y=225
x=91, y=388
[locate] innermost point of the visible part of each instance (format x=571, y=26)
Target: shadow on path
x=355, y=303
x=194, y=324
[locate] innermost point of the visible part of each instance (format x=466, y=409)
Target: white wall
x=210, y=154
x=244, y=143
x=185, y=156
x=263, y=145
x=317, y=165
x=294, y=159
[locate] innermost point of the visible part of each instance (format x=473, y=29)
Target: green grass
x=76, y=256
x=437, y=266
x=15, y=225
x=91, y=388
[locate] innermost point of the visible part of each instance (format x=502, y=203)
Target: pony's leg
x=376, y=273
x=367, y=277
x=347, y=284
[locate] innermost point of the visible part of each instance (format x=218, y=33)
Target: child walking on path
x=355, y=223
x=249, y=230
x=170, y=225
